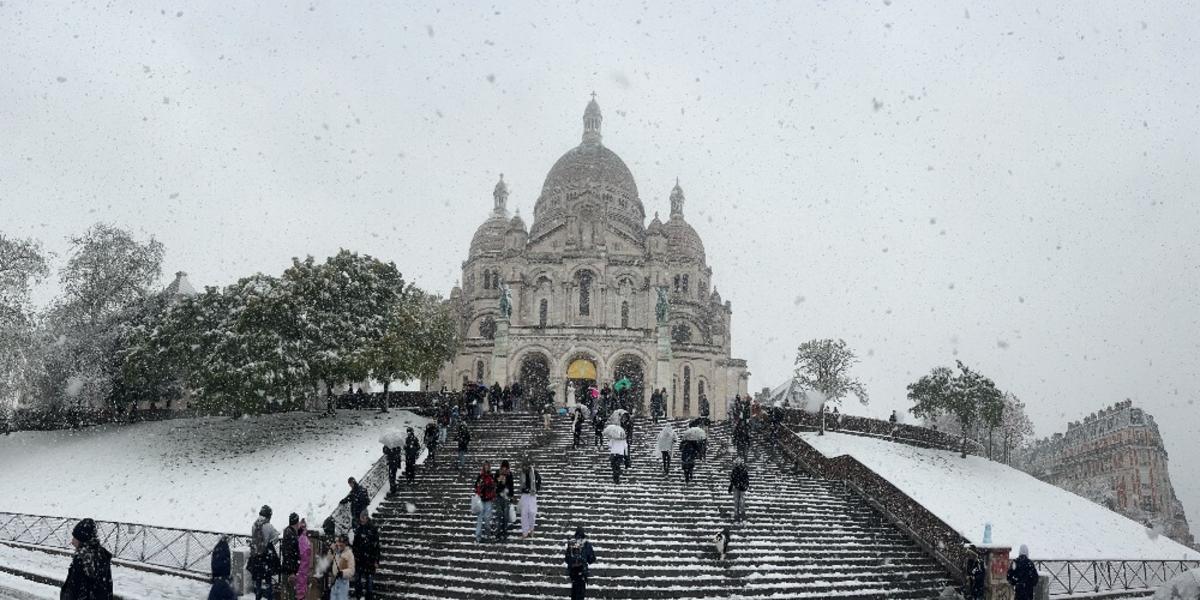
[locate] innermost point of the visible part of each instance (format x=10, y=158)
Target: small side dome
x=715, y=298
x=517, y=223
x=656, y=227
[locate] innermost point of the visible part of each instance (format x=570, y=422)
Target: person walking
x=577, y=425
x=263, y=561
x=341, y=562
x=531, y=484
x=548, y=413
x=598, y=422
x=617, y=449
x=485, y=488
x=688, y=450
x=464, y=442
x=304, y=547
x=665, y=444
x=366, y=556
x=504, y=496
x=579, y=556
x=741, y=438
x=289, y=556
x=90, y=575
x=393, y=456
x=432, y=439
x=739, y=482
x=221, y=565
x=1023, y=575
x=358, y=499
x=627, y=425
x=412, y=450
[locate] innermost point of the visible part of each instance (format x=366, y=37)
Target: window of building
x=479, y=371
x=585, y=293
x=677, y=283
x=487, y=328
x=625, y=314
x=681, y=333
x=685, y=284
x=687, y=390
x=543, y=312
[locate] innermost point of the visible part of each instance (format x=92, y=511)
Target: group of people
x=493, y=500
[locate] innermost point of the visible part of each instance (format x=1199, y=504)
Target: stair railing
x=1095, y=576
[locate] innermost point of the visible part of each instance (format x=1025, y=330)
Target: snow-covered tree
x=419, y=336
x=967, y=396
x=1015, y=427
x=823, y=366
x=22, y=264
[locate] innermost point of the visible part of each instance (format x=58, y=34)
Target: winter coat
x=304, y=547
x=358, y=498
x=342, y=562
x=579, y=555
x=393, y=456
x=366, y=548
x=504, y=484
x=221, y=560
x=534, y=486
x=1024, y=577
x=289, y=551
x=221, y=590
x=688, y=450
x=577, y=421
x=262, y=535
x=412, y=448
x=739, y=479
x=978, y=577
x=464, y=438
x=666, y=439
x=90, y=574
x=704, y=407
x=431, y=435
x=485, y=487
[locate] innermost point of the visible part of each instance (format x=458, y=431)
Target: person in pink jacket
x=305, y=561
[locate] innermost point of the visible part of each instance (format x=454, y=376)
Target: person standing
x=665, y=444
x=531, y=483
x=976, y=576
x=393, y=458
x=289, y=556
x=221, y=567
x=548, y=413
x=305, y=551
x=90, y=575
x=739, y=482
x=262, y=561
x=741, y=438
x=627, y=425
x=358, y=499
x=617, y=450
x=577, y=425
x=464, y=442
x=705, y=408
x=579, y=556
x=485, y=488
x=598, y=423
x=341, y=561
x=1023, y=575
x=366, y=556
x=688, y=450
x=504, y=495
x=412, y=450
x=432, y=438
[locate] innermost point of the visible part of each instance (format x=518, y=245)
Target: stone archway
x=535, y=379
x=631, y=367
x=581, y=374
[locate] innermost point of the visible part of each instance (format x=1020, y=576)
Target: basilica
x=588, y=293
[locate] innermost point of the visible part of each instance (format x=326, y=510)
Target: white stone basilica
x=589, y=293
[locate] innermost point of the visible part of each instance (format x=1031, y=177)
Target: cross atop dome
x=591, y=122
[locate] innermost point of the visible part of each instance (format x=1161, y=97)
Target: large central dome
x=590, y=179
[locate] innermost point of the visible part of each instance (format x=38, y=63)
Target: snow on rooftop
x=967, y=493
x=210, y=473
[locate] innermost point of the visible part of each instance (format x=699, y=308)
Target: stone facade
x=589, y=293
x=1115, y=458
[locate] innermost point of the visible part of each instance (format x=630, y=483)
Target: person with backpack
x=579, y=556
x=739, y=482
x=432, y=439
x=358, y=499
x=665, y=444
x=1023, y=575
x=464, y=442
x=263, y=563
x=504, y=495
x=90, y=575
x=412, y=450
x=531, y=484
x=341, y=563
x=366, y=556
x=485, y=488
x=289, y=555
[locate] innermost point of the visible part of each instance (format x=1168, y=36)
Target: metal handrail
x=1075, y=576
x=186, y=550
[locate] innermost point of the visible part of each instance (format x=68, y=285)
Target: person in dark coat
x=393, y=456
x=432, y=438
x=289, y=552
x=739, y=482
x=495, y=397
x=221, y=569
x=412, y=449
x=976, y=576
x=358, y=499
x=1023, y=575
x=366, y=556
x=688, y=450
x=577, y=425
x=579, y=556
x=599, y=420
x=464, y=443
x=741, y=438
x=627, y=425
x=90, y=574
x=504, y=496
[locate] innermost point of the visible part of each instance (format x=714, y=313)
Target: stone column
x=500, y=352
x=995, y=560
x=663, y=368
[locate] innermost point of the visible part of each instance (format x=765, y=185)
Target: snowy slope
x=208, y=473
x=129, y=583
x=968, y=493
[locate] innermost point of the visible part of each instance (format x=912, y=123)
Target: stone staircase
x=803, y=538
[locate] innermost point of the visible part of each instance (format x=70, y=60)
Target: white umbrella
x=694, y=434
x=392, y=439
x=614, y=432
x=615, y=417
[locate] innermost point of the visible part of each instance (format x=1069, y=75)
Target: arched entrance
x=630, y=367
x=581, y=374
x=535, y=379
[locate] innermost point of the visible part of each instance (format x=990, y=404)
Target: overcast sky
x=1010, y=185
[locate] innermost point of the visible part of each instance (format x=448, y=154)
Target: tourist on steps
x=90, y=574
x=341, y=561
x=504, y=496
x=579, y=556
x=739, y=482
x=262, y=561
x=366, y=556
x=599, y=420
x=531, y=484
x=393, y=456
x=618, y=447
x=432, y=438
x=666, y=443
x=464, y=442
x=485, y=488
x=548, y=412
x=976, y=576
x=289, y=555
x=412, y=449
x=577, y=425
x=358, y=499
x=688, y=450
x=222, y=567
x=1023, y=575
x=627, y=425
x=741, y=438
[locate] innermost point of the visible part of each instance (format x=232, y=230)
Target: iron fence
x=167, y=547
x=1091, y=576
x=375, y=478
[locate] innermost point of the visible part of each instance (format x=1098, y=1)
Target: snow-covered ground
x=209, y=473
x=967, y=493
x=128, y=583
